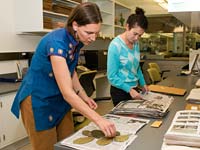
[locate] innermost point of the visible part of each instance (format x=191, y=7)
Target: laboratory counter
x=152, y=138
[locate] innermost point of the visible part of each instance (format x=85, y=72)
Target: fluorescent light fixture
x=162, y=3
x=183, y=5
x=159, y=1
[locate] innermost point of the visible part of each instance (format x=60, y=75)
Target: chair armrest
x=102, y=98
x=166, y=70
x=163, y=71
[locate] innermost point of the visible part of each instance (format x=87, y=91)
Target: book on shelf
x=184, y=129
x=154, y=105
x=91, y=138
x=194, y=96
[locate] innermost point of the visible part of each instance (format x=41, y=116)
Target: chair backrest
x=154, y=75
x=154, y=65
x=86, y=80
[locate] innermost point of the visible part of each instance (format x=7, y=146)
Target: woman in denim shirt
x=51, y=87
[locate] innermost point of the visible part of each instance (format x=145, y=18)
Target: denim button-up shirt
x=49, y=106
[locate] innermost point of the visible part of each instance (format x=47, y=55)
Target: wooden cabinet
x=41, y=16
x=11, y=128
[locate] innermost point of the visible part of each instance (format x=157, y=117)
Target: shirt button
x=70, y=45
x=60, y=51
x=50, y=74
x=70, y=52
x=50, y=118
x=51, y=49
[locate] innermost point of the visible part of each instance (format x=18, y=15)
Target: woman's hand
x=91, y=103
x=145, y=89
x=134, y=94
x=107, y=127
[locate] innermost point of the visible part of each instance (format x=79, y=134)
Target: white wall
x=9, y=40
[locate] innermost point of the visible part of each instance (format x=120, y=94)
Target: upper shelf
x=55, y=14
x=67, y=2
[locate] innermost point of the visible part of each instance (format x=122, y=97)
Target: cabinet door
x=41, y=16
x=12, y=128
x=107, y=12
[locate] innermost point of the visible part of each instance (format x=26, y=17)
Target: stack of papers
x=185, y=129
x=152, y=105
x=124, y=125
x=177, y=147
x=197, y=83
x=194, y=96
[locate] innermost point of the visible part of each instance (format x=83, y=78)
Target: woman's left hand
x=91, y=103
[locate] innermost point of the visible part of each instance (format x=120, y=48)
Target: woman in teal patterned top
x=123, y=64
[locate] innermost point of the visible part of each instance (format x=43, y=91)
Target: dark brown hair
x=138, y=19
x=83, y=14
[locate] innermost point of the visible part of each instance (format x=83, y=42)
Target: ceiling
x=157, y=16
x=150, y=6
x=161, y=20
x=162, y=24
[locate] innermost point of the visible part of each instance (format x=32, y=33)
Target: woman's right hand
x=134, y=94
x=107, y=127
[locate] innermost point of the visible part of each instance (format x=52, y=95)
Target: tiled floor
x=21, y=145
x=103, y=108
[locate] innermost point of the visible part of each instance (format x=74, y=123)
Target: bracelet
x=78, y=91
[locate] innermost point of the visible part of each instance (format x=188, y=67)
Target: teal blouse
x=123, y=65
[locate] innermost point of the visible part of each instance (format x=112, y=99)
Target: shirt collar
x=72, y=39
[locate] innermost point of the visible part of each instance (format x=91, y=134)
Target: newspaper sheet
x=197, y=84
x=194, y=96
x=176, y=147
x=185, y=129
x=124, y=125
x=152, y=105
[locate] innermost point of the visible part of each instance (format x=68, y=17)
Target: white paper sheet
x=125, y=125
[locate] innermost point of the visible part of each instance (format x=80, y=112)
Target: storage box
x=47, y=23
x=61, y=9
x=47, y=5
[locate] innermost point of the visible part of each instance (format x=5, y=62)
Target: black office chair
x=86, y=79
